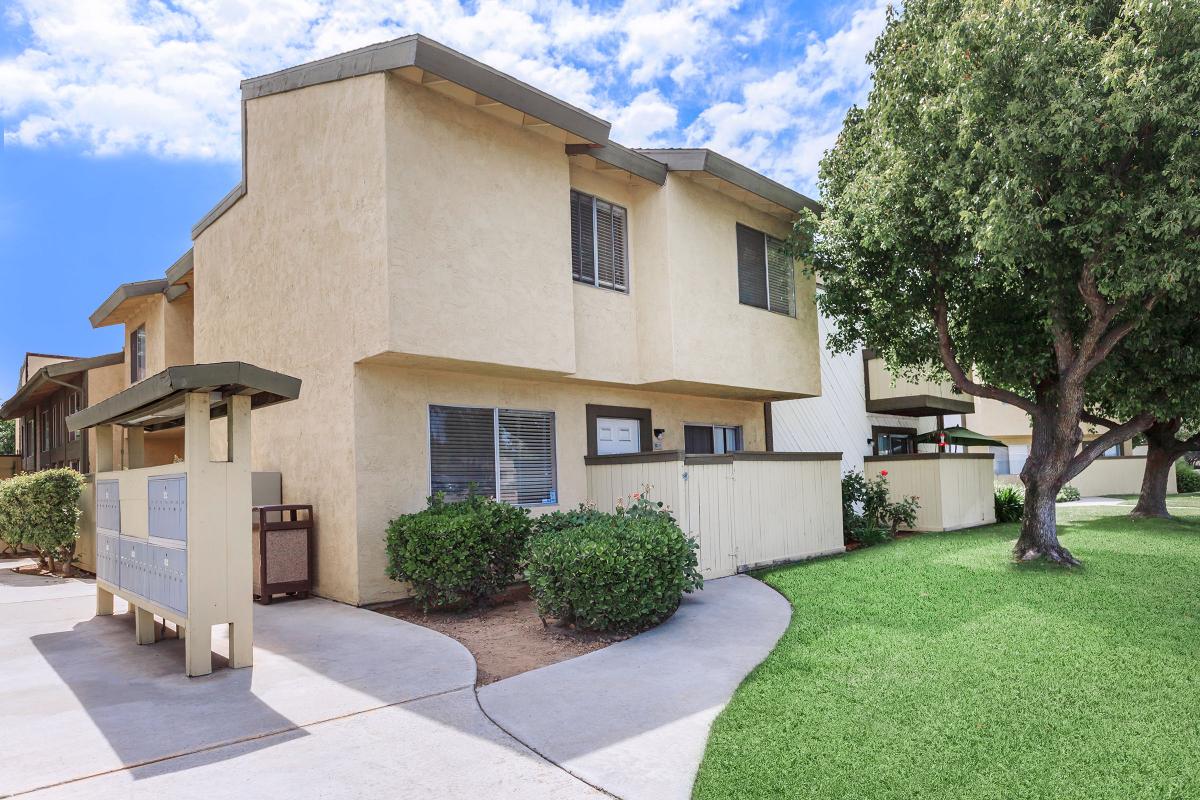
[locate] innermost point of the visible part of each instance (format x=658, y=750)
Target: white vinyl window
x=766, y=278
x=598, y=243
x=503, y=453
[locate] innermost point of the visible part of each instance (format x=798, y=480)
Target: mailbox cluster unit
x=155, y=567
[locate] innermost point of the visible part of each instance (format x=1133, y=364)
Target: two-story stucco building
x=478, y=287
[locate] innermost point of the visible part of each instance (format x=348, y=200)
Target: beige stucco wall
x=954, y=491
x=715, y=339
x=391, y=438
x=169, y=332
x=292, y=278
x=479, y=243
x=102, y=384
x=1121, y=475
x=884, y=385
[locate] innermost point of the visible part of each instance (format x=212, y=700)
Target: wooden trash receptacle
x=283, y=550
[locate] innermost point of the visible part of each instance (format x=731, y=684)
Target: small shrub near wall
x=1187, y=479
x=868, y=516
x=1067, y=494
x=623, y=572
x=1010, y=503
x=39, y=511
x=458, y=554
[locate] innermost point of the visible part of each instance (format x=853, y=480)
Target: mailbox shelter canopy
x=158, y=402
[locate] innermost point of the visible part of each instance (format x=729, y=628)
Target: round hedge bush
x=615, y=572
x=1187, y=479
x=458, y=554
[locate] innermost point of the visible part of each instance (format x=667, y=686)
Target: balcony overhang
x=922, y=405
x=159, y=401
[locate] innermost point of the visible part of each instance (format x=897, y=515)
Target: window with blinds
x=503, y=453
x=766, y=278
x=598, y=242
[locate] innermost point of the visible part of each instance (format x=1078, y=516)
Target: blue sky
x=121, y=126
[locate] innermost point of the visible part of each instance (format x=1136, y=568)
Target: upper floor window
x=598, y=242
x=1113, y=452
x=498, y=452
x=72, y=407
x=765, y=274
x=137, y=354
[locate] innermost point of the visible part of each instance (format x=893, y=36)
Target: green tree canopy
x=1018, y=194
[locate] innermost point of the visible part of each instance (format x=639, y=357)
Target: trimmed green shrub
x=458, y=554
x=40, y=511
x=868, y=515
x=1187, y=478
x=564, y=520
x=1010, y=503
x=617, y=572
x=1067, y=494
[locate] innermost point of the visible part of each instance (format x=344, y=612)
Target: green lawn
x=934, y=667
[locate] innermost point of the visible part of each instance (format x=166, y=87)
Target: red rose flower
x=883, y=472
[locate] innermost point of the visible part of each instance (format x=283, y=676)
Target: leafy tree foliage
x=1018, y=195
x=1156, y=369
x=8, y=436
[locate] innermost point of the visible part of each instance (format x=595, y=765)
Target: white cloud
x=116, y=76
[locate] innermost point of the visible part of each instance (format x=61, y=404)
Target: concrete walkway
x=633, y=718
x=341, y=703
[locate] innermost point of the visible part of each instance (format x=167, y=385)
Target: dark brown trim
x=754, y=455
x=926, y=456
x=635, y=458
x=768, y=427
x=878, y=429
x=642, y=415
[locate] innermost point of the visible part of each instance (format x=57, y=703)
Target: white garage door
x=617, y=436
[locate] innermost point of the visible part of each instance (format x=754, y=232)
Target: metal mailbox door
x=108, y=558
x=108, y=506
x=168, y=577
x=167, y=503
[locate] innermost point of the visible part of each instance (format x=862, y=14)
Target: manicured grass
x=934, y=667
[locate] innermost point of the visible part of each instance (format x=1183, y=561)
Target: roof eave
x=126, y=291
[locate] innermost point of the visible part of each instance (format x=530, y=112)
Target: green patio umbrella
x=960, y=436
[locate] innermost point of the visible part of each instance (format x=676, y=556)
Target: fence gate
x=712, y=516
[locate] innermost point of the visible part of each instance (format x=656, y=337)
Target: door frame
x=642, y=415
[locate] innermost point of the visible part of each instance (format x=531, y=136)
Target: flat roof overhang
x=920, y=405
x=158, y=401
x=734, y=179
x=614, y=157
x=417, y=52
x=49, y=379
x=181, y=271
x=117, y=308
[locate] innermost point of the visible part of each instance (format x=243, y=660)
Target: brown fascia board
x=15, y=405
x=126, y=291
x=717, y=165
x=621, y=157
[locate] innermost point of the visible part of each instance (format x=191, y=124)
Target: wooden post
x=104, y=602
x=143, y=625
x=239, y=529
x=137, y=448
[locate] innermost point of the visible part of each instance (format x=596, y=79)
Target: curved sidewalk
x=633, y=718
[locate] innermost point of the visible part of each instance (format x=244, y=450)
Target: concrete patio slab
x=436, y=747
x=385, y=704
x=633, y=718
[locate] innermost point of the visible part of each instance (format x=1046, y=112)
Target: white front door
x=618, y=436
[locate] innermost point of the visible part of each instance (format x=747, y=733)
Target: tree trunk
x=1162, y=451
x=1039, y=527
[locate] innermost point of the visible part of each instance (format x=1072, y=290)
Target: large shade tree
x=1156, y=370
x=1017, y=196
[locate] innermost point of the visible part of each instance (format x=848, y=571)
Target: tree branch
x=950, y=361
x=1096, y=419
x=1106, y=440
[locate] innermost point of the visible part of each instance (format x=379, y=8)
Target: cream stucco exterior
x=396, y=248
x=954, y=489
